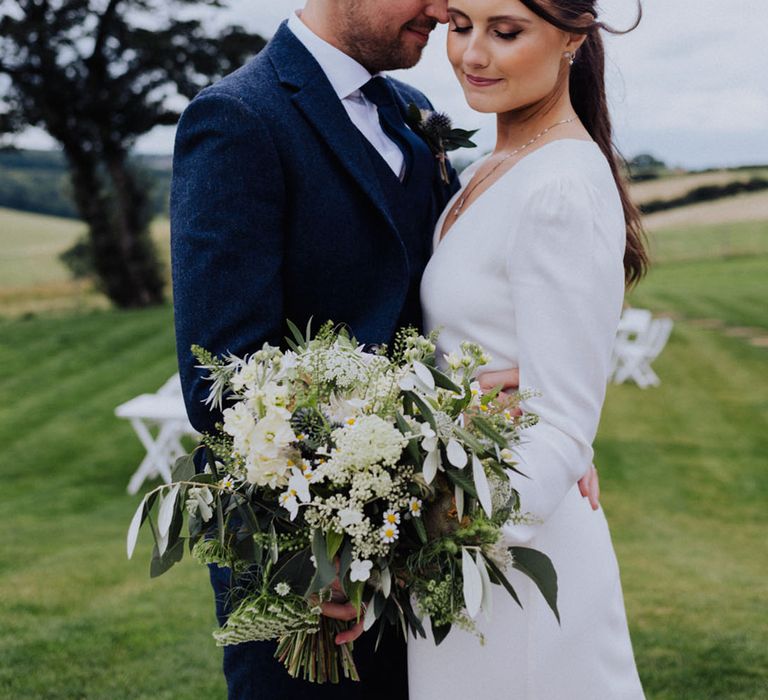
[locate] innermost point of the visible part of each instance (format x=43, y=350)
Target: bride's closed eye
x=461, y=30
x=508, y=36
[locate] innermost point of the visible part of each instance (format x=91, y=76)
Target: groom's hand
x=509, y=380
x=339, y=608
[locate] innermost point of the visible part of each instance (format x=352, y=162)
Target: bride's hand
x=507, y=379
x=589, y=485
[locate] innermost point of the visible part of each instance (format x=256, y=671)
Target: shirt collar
x=344, y=73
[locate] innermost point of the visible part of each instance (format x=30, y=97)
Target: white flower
x=371, y=441
x=429, y=437
x=282, y=589
x=361, y=570
x=199, y=499
x=288, y=501
x=228, y=482
x=414, y=507
x=391, y=517
x=507, y=455
x=240, y=423
x=348, y=517
x=272, y=433
x=453, y=361
x=264, y=471
x=298, y=490
x=389, y=533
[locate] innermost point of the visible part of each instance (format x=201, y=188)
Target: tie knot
x=377, y=90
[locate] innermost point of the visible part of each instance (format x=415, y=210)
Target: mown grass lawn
x=682, y=469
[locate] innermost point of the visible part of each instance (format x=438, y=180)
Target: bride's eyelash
x=508, y=36
x=461, y=30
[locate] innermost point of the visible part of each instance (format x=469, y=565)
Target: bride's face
x=505, y=56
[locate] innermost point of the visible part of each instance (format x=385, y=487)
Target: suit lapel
x=317, y=101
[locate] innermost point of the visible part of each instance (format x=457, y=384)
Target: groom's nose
x=437, y=10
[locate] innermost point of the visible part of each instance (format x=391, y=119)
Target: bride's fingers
x=339, y=611
x=506, y=379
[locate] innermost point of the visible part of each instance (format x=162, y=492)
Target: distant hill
x=38, y=181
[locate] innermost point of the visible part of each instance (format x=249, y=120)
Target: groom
x=299, y=192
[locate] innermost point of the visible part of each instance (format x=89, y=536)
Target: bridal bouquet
x=335, y=468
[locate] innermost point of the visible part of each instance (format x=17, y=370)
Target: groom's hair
x=587, y=88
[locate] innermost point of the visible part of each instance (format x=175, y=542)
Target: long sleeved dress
x=533, y=271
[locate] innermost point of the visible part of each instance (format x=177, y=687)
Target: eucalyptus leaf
x=413, y=619
x=473, y=583
x=431, y=465
x=498, y=577
x=325, y=568
x=386, y=581
x=298, y=337
x=423, y=373
x=439, y=632
x=183, y=468
x=487, y=604
x=424, y=409
x=333, y=541
x=370, y=616
x=462, y=479
x=538, y=567
x=456, y=454
x=481, y=485
x=443, y=381
x=133, y=528
x=165, y=514
x=162, y=562
x=459, y=498
x=421, y=531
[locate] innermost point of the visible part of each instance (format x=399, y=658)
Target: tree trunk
x=115, y=207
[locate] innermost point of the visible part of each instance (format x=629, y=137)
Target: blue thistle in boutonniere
x=437, y=131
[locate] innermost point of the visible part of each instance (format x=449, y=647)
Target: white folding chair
x=160, y=421
x=633, y=324
x=634, y=358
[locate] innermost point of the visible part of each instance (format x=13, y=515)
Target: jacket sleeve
x=567, y=282
x=227, y=238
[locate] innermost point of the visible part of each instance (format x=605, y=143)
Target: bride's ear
x=574, y=42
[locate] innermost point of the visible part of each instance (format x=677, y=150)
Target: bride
x=530, y=260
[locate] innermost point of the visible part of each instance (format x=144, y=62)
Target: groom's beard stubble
x=377, y=52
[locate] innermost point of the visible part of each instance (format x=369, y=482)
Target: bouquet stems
x=315, y=656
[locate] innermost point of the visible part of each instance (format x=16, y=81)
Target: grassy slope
x=682, y=472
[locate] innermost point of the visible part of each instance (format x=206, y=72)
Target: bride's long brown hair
x=587, y=86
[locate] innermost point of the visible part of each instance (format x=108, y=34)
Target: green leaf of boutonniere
x=437, y=131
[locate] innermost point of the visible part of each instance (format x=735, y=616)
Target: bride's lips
x=477, y=81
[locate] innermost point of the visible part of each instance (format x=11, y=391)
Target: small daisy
x=351, y=421
x=389, y=533
x=414, y=507
x=228, y=482
x=391, y=517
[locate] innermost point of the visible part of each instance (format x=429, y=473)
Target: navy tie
x=378, y=91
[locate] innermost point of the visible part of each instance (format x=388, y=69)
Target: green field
x=682, y=470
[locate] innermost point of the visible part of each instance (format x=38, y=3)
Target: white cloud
x=687, y=84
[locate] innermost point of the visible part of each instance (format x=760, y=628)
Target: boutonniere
x=437, y=130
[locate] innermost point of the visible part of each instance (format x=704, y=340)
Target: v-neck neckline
x=440, y=236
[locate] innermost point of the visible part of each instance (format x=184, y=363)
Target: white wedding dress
x=532, y=270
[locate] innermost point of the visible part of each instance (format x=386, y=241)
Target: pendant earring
x=570, y=57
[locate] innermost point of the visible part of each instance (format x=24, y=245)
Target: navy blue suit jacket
x=276, y=214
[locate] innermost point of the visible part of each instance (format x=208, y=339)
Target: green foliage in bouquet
x=377, y=473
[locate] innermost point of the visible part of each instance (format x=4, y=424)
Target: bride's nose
x=476, y=54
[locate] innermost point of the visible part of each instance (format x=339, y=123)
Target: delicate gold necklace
x=464, y=197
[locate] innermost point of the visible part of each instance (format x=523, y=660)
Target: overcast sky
x=690, y=85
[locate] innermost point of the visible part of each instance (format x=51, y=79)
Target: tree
x=96, y=76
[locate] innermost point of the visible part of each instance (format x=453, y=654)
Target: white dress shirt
x=346, y=77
